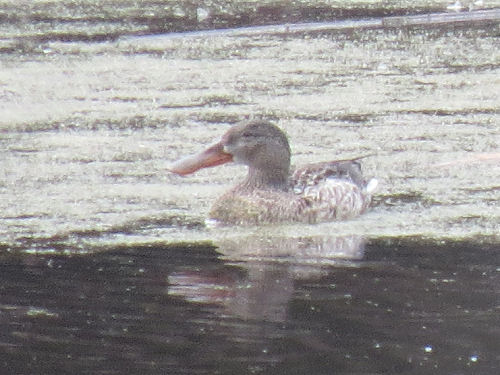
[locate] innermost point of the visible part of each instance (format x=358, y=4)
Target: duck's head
x=258, y=144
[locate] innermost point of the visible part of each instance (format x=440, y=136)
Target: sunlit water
x=107, y=264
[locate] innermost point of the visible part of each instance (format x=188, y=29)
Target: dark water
x=94, y=21
x=408, y=307
x=106, y=265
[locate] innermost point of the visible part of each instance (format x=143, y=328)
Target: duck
x=272, y=191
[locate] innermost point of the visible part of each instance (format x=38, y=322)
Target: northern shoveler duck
x=271, y=193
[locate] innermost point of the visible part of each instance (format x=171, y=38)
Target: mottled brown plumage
x=269, y=194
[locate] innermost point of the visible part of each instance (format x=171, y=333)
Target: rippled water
x=107, y=265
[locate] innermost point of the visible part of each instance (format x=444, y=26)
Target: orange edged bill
x=211, y=157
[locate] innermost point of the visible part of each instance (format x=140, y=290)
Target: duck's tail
x=371, y=186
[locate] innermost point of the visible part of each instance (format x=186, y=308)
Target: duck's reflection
x=258, y=278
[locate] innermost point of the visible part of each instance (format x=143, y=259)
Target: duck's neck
x=276, y=179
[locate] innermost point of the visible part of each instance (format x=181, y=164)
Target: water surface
x=406, y=307
x=107, y=264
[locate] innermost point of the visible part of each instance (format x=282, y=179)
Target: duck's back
x=314, y=174
x=332, y=190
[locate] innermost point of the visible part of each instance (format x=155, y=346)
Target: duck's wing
x=332, y=190
x=317, y=173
